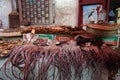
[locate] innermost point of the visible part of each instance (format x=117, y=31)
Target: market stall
x=44, y=40
x=78, y=59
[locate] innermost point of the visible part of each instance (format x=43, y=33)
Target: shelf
x=11, y=34
x=85, y=3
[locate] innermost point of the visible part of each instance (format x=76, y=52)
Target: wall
x=66, y=12
x=5, y=9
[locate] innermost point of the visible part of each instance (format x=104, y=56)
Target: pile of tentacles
x=66, y=62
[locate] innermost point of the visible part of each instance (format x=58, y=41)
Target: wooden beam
x=20, y=10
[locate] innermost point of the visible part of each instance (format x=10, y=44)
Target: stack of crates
x=14, y=21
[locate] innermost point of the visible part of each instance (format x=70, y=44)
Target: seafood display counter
x=65, y=61
x=82, y=58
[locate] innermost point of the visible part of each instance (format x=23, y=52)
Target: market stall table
x=59, y=63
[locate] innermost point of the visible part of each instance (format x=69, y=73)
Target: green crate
x=48, y=36
x=114, y=40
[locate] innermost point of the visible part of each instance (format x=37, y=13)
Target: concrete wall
x=66, y=12
x=5, y=9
